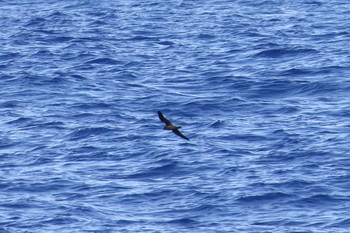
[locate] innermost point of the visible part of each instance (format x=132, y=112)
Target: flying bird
x=170, y=126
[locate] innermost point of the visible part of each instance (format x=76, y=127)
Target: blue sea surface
x=262, y=89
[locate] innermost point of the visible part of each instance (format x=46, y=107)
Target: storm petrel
x=170, y=126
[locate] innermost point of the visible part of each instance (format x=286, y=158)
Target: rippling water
x=260, y=87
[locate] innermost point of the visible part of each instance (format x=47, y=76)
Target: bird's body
x=170, y=126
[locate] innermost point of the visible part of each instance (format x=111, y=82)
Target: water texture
x=261, y=88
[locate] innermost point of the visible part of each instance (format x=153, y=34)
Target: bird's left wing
x=177, y=132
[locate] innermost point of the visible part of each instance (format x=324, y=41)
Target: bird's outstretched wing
x=177, y=132
x=162, y=118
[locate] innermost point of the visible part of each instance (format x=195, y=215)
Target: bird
x=170, y=126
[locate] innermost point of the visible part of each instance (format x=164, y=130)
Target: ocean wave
x=87, y=132
x=260, y=88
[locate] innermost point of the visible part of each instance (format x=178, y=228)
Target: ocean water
x=261, y=88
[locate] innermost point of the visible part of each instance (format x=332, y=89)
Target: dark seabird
x=170, y=126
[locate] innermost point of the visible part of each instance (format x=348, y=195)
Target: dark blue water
x=261, y=88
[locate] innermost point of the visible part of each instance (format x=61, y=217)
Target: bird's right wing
x=162, y=118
